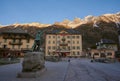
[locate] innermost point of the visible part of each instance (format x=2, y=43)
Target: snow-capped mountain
x=115, y=18
x=95, y=20
x=36, y=24
x=92, y=28
x=70, y=24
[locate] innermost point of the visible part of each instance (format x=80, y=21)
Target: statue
x=33, y=63
x=37, y=42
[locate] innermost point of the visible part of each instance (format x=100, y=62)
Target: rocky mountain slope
x=92, y=28
x=95, y=20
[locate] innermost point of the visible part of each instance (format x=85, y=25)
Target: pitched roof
x=70, y=31
x=107, y=41
x=15, y=30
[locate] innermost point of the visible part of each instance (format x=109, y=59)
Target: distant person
x=93, y=57
x=68, y=60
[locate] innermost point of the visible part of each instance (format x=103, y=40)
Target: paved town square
x=65, y=40
x=75, y=70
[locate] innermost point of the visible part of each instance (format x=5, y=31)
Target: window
x=110, y=47
x=68, y=41
x=78, y=47
x=53, y=47
x=68, y=37
x=96, y=54
x=73, y=47
x=73, y=42
x=58, y=47
x=68, y=47
x=48, y=53
x=4, y=46
x=58, y=36
x=18, y=46
x=28, y=40
x=19, y=40
x=49, y=42
x=73, y=53
x=27, y=46
x=77, y=36
x=49, y=47
x=109, y=54
x=73, y=36
x=103, y=55
x=78, y=53
x=12, y=46
x=14, y=40
x=5, y=40
x=58, y=42
x=53, y=36
x=53, y=42
x=77, y=42
x=64, y=48
x=49, y=36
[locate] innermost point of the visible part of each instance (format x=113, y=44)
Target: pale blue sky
x=50, y=11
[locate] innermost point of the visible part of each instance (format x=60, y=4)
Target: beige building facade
x=106, y=48
x=63, y=43
x=15, y=40
x=102, y=53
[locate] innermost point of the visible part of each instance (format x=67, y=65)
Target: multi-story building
x=16, y=40
x=63, y=43
x=102, y=53
x=107, y=44
x=105, y=49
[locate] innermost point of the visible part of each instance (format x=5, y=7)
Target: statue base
x=32, y=65
x=31, y=74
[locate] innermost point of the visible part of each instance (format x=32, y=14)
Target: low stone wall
x=52, y=58
x=4, y=61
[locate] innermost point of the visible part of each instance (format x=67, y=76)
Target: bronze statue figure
x=37, y=42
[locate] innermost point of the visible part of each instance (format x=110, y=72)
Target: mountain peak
x=31, y=24
x=114, y=18
x=107, y=14
x=91, y=19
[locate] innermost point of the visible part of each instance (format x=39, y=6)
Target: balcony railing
x=63, y=50
x=14, y=37
x=63, y=44
x=15, y=43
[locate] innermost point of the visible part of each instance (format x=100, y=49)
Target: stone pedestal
x=31, y=74
x=33, y=65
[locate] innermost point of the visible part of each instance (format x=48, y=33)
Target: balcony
x=15, y=43
x=63, y=51
x=63, y=44
x=15, y=36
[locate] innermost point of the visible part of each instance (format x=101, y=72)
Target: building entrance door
x=103, y=55
x=63, y=54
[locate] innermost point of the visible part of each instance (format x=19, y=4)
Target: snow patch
x=118, y=13
x=107, y=14
x=117, y=24
x=89, y=18
x=95, y=24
